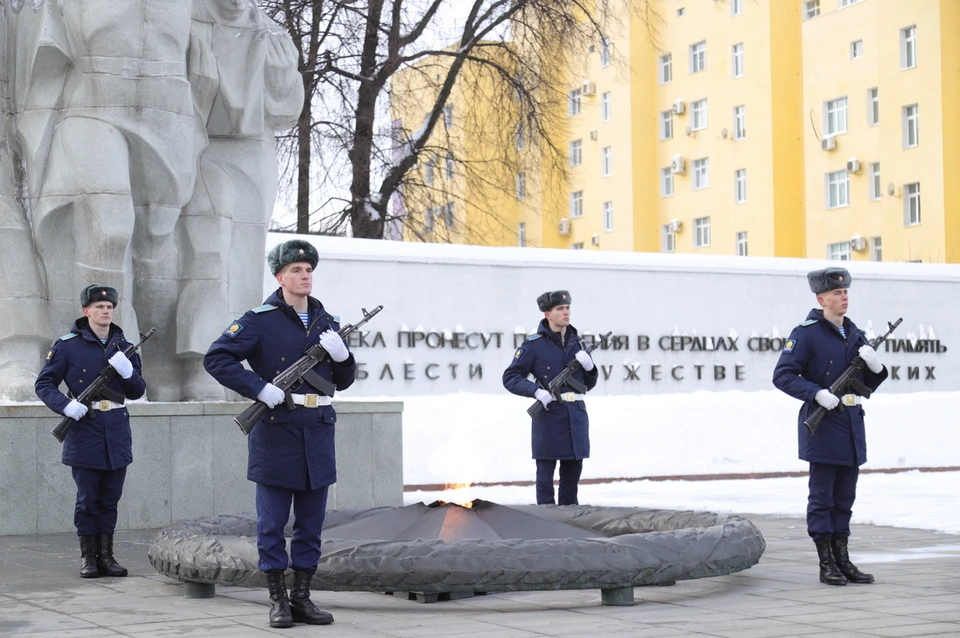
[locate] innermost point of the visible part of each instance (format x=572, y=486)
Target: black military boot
x=829, y=573
x=280, y=616
x=106, y=564
x=301, y=606
x=88, y=557
x=848, y=569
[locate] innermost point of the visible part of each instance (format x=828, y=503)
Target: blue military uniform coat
x=289, y=449
x=812, y=359
x=100, y=440
x=562, y=431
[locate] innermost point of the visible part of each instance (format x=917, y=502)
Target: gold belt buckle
x=849, y=400
x=310, y=400
x=567, y=396
x=104, y=405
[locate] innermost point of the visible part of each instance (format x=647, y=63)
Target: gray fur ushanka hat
x=828, y=279
x=96, y=292
x=290, y=252
x=548, y=300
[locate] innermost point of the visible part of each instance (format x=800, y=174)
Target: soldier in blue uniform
x=817, y=352
x=291, y=453
x=99, y=446
x=562, y=430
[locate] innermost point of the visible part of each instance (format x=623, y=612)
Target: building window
x=740, y=179
x=911, y=204
x=604, y=51
x=448, y=215
x=911, y=126
x=908, y=48
x=701, y=173
x=847, y=3
x=876, y=249
x=856, y=49
x=742, y=244
x=450, y=165
x=666, y=125
x=521, y=141
x=577, y=246
x=839, y=251
x=736, y=7
x=576, y=204
x=701, y=232
x=428, y=171
x=608, y=216
x=522, y=234
x=680, y=12
x=873, y=106
x=739, y=123
x=835, y=116
x=873, y=170
x=666, y=182
x=574, y=102
x=838, y=189
x=811, y=9
x=448, y=116
x=738, y=60
x=699, y=111
x=521, y=185
x=669, y=243
x=605, y=106
x=666, y=68
x=576, y=152
x=607, y=161
x=698, y=57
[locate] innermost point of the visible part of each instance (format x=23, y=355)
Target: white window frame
x=521, y=137
x=448, y=116
x=668, y=240
x=701, y=232
x=739, y=122
x=430, y=220
x=701, y=173
x=876, y=188
x=911, y=204
x=448, y=215
x=605, y=52
x=666, y=125
x=736, y=7
x=698, y=56
x=522, y=234
x=908, y=47
x=606, y=161
x=837, y=189
x=576, y=153
x=740, y=185
x=738, y=60
x=873, y=106
x=576, y=204
x=835, y=116
x=846, y=3
x=428, y=176
x=699, y=115
x=521, y=185
x=839, y=251
x=606, y=107
x=856, y=49
x=574, y=102
x=666, y=68
x=811, y=9
x=666, y=182
x=576, y=246
x=911, y=126
x=876, y=249
x=742, y=244
x=451, y=164
x=608, y=216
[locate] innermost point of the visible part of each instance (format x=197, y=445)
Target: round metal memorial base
x=445, y=551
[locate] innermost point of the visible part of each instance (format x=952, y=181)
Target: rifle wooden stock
x=564, y=378
x=106, y=376
x=846, y=381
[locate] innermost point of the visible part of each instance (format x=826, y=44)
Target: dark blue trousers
x=833, y=489
x=569, y=480
x=273, y=512
x=98, y=493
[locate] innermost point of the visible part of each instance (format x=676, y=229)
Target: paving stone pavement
x=917, y=594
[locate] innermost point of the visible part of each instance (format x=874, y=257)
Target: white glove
x=543, y=397
x=121, y=364
x=869, y=356
x=584, y=360
x=271, y=395
x=334, y=345
x=827, y=399
x=75, y=410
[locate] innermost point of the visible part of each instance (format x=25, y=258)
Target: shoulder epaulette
x=533, y=337
x=68, y=336
x=335, y=318
x=808, y=322
x=264, y=308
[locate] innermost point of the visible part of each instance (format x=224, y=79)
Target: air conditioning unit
x=588, y=88
x=858, y=243
x=828, y=144
x=678, y=166
x=679, y=107
x=892, y=190
x=593, y=134
x=853, y=165
x=674, y=225
x=564, y=228
x=595, y=240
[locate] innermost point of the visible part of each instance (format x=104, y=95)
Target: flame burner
x=444, y=551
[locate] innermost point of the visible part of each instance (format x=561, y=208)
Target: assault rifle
x=848, y=381
x=566, y=378
x=97, y=388
x=302, y=368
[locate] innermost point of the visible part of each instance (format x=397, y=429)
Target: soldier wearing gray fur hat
x=817, y=352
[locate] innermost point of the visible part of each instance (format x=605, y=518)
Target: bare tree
x=351, y=53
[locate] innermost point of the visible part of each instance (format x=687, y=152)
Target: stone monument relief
x=137, y=152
